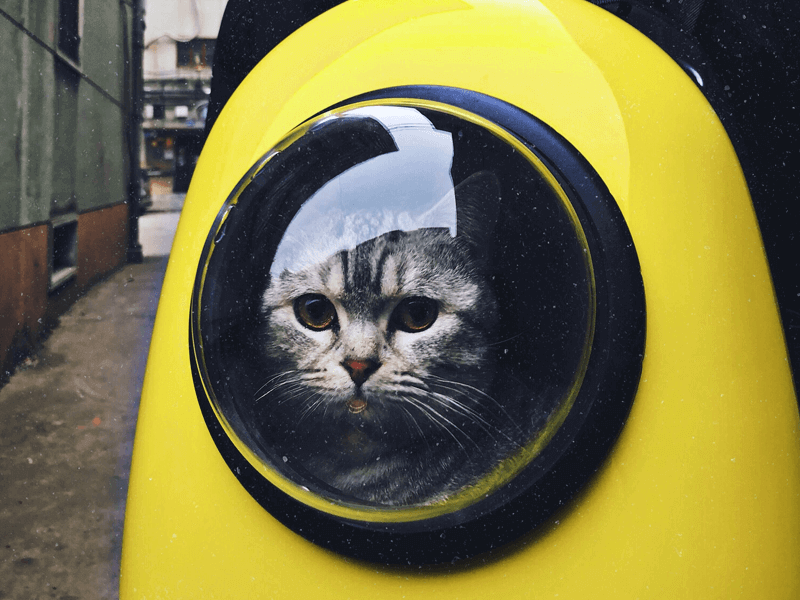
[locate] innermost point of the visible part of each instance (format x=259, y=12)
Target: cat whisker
x=312, y=407
x=291, y=393
x=408, y=377
x=274, y=377
x=295, y=377
x=410, y=382
x=293, y=381
x=459, y=407
x=319, y=398
x=414, y=422
x=327, y=405
x=513, y=337
x=292, y=387
x=466, y=411
x=462, y=385
x=427, y=410
x=453, y=404
x=456, y=385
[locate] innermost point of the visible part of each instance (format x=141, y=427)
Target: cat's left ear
x=477, y=211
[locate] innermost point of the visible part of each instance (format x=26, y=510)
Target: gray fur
x=431, y=425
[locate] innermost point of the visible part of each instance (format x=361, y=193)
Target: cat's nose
x=360, y=369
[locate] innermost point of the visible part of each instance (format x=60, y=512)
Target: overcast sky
x=182, y=19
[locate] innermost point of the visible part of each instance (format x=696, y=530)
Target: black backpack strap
x=249, y=30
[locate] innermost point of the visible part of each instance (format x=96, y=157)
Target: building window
x=64, y=249
x=69, y=27
x=198, y=52
x=159, y=111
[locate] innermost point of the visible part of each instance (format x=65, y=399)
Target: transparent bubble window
x=394, y=313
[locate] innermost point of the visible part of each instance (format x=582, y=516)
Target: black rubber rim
x=595, y=421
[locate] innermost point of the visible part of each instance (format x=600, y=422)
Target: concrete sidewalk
x=67, y=420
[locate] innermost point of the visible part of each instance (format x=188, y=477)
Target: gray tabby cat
x=382, y=364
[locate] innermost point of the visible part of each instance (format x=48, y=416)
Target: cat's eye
x=314, y=311
x=414, y=314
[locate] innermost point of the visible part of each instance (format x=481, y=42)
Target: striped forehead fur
x=419, y=263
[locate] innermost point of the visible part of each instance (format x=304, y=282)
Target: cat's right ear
x=478, y=210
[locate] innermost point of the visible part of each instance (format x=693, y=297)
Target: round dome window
x=401, y=322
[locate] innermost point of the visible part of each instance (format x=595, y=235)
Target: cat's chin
x=375, y=417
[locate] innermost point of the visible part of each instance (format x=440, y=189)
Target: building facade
x=179, y=51
x=66, y=142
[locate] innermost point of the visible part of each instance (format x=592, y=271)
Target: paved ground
x=67, y=419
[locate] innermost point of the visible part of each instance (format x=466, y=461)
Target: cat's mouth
x=356, y=405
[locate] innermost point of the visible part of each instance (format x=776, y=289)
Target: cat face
x=382, y=348
x=381, y=366
x=382, y=320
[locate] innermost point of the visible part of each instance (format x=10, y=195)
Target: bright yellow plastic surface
x=700, y=497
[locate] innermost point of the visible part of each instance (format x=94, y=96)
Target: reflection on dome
x=404, y=190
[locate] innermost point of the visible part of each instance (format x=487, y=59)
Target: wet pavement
x=67, y=420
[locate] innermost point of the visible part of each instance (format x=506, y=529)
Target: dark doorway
x=187, y=150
